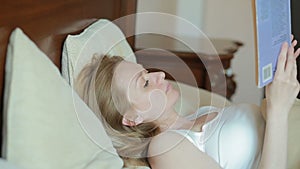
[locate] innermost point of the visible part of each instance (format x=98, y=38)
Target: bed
x=47, y=23
x=45, y=26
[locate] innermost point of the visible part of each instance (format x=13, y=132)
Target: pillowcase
x=44, y=128
x=102, y=37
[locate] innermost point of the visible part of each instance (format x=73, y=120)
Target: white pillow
x=102, y=37
x=43, y=130
x=7, y=165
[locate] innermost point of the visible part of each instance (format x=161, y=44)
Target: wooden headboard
x=48, y=22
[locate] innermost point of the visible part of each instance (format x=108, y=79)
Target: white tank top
x=234, y=138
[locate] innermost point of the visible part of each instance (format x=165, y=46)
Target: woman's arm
x=280, y=96
x=171, y=150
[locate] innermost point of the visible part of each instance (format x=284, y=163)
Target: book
x=272, y=27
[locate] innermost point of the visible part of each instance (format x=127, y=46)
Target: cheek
x=154, y=105
x=172, y=98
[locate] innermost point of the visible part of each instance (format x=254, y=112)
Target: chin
x=173, y=98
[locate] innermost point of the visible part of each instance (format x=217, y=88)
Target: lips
x=168, y=87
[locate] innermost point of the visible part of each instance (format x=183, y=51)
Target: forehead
x=127, y=71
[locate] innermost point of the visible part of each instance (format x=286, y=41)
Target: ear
x=132, y=118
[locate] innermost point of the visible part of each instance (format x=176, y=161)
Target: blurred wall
x=220, y=19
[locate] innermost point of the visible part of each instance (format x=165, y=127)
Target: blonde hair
x=94, y=87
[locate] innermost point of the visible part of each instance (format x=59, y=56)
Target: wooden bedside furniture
x=179, y=62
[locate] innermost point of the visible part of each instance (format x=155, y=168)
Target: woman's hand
x=281, y=93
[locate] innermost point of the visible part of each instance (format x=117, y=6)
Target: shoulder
x=164, y=142
x=172, y=150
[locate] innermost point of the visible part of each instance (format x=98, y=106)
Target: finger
x=292, y=36
x=291, y=60
x=294, y=43
x=282, y=57
x=297, y=53
x=294, y=71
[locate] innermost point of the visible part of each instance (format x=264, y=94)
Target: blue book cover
x=272, y=25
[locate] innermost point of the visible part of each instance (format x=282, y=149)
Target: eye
x=146, y=83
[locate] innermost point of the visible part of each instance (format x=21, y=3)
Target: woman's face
x=148, y=93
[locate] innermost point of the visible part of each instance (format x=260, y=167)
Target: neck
x=172, y=120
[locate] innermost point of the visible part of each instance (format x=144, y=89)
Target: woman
x=137, y=108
